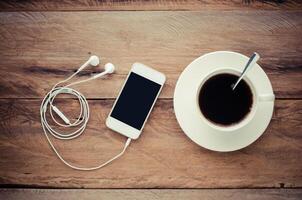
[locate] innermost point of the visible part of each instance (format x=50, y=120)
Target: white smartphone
x=135, y=101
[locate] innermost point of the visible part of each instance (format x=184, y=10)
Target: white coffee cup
x=256, y=98
x=204, y=132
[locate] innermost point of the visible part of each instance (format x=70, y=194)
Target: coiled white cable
x=81, y=121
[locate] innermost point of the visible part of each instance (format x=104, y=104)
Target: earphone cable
x=80, y=122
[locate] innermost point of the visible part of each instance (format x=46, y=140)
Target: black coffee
x=222, y=105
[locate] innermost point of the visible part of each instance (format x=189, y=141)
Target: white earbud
x=109, y=68
x=94, y=60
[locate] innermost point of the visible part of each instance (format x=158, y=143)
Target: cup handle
x=266, y=97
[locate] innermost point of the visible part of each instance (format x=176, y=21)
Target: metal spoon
x=253, y=59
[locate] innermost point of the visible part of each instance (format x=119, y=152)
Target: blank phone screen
x=135, y=101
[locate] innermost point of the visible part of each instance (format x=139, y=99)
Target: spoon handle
x=253, y=59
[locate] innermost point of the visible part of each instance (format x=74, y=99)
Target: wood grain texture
x=154, y=194
x=37, y=49
x=71, y=5
x=163, y=157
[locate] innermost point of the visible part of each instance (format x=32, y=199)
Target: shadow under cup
x=220, y=104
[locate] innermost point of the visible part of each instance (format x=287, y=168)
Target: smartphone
x=135, y=101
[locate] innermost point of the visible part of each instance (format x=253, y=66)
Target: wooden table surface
x=43, y=42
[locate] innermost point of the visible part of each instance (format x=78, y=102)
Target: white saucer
x=189, y=116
